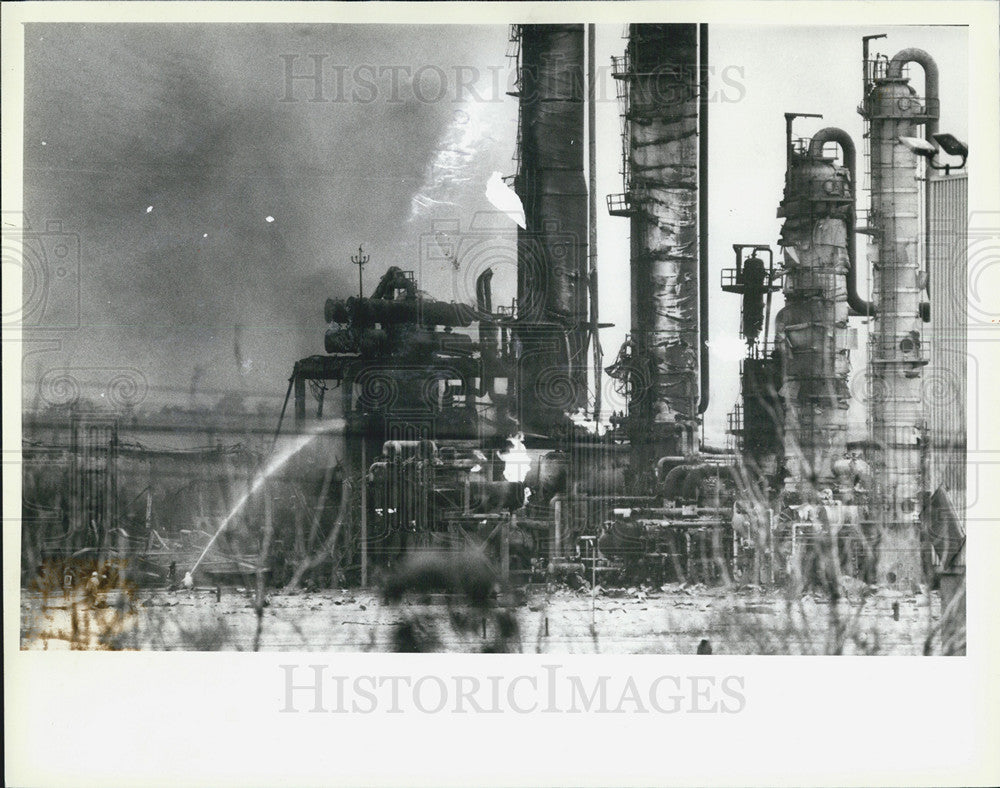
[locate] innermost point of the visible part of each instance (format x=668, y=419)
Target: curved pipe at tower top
x=931, y=89
x=843, y=139
x=932, y=106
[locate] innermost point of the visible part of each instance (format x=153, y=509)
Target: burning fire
x=516, y=460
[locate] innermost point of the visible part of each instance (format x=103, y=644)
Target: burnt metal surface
x=660, y=74
x=553, y=319
x=393, y=366
x=818, y=207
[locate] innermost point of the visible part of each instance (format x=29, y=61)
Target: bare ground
x=672, y=619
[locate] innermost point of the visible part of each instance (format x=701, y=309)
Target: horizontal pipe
x=677, y=511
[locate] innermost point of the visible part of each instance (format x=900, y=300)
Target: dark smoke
x=187, y=119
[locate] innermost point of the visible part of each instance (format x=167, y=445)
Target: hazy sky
x=756, y=75
x=190, y=122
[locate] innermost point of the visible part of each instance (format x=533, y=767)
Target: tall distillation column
x=661, y=77
x=897, y=353
x=552, y=326
x=818, y=208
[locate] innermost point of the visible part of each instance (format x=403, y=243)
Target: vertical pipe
x=703, y=216
x=557, y=508
x=284, y=405
x=114, y=482
x=300, y=401
x=505, y=527
x=703, y=369
x=843, y=139
x=264, y=557
x=932, y=103
x=364, y=511
x=593, y=582
x=592, y=217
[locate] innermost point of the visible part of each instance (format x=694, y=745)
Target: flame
x=516, y=460
x=582, y=419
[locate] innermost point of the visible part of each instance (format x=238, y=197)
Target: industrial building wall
x=945, y=378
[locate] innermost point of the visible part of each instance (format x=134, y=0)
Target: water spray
x=275, y=464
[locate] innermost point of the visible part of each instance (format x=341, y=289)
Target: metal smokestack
x=897, y=352
x=552, y=249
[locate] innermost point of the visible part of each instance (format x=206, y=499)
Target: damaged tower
x=664, y=178
x=817, y=235
x=552, y=318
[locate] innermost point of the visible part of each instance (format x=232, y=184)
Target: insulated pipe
x=843, y=139
x=932, y=104
x=674, y=480
x=595, y=323
x=703, y=215
x=488, y=334
x=663, y=511
x=663, y=462
x=895, y=71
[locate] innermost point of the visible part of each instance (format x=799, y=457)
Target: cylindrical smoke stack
x=552, y=248
x=662, y=161
x=896, y=351
x=818, y=208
